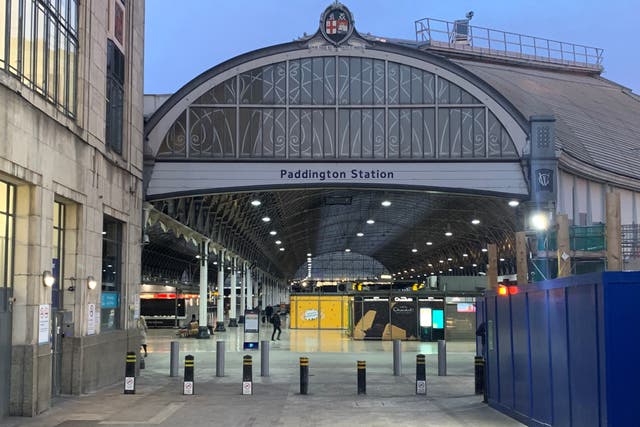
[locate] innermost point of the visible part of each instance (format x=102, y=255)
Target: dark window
x=111, y=274
x=115, y=97
x=7, y=232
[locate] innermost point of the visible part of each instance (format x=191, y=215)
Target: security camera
x=469, y=15
x=145, y=239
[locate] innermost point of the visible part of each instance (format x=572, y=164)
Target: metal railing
x=459, y=35
x=631, y=244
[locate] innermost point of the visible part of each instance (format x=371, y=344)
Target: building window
x=111, y=274
x=7, y=234
x=39, y=46
x=115, y=97
x=58, y=255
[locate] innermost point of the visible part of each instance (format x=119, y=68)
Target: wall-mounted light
x=47, y=278
x=91, y=282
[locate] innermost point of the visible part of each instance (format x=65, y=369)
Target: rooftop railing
x=459, y=35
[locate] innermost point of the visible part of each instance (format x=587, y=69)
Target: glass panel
x=343, y=133
x=466, y=132
x=343, y=81
x=224, y=93
x=378, y=133
x=455, y=122
x=264, y=85
x=416, y=86
x=405, y=84
x=329, y=133
x=111, y=274
x=317, y=86
x=416, y=133
x=305, y=88
x=318, y=133
x=63, y=9
x=212, y=132
x=508, y=148
x=378, y=81
x=305, y=133
x=355, y=131
x=478, y=133
x=443, y=133
x=280, y=132
x=394, y=133
x=267, y=132
x=250, y=132
x=405, y=133
x=4, y=189
x=355, y=81
x=14, y=41
x=4, y=249
x=3, y=29
x=41, y=51
x=329, y=81
x=51, y=59
x=72, y=76
x=393, y=82
x=62, y=70
x=294, y=82
x=367, y=81
x=280, y=83
x=27, y=39
x=495, y=132
x=428, y=87
x=73, y=16
x=443, y=91
x=429, y=132
x=294, y=133
x=367, y=132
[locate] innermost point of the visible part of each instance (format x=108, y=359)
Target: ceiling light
x=474, y=265
x=429, y=243
x=448, y=234
x=501, y=259
x=430, y=265
x=197, y=256
x=273, y=232
x=450, y=270
x=104, y=232
x=449, y=259
x=484, y=249
x=414, y=250
x=465, y=255
x=461, y=268
x=475, y=221
x=370, y=221
x=282, y=249
x=386, y=203
x=215, y=262
x=256, y=203
x=413, y=269
x=513, y=203
x=309, y=254
x=441, y=261
x=360, y=234
x=278, y=242
x=347, y=250
x=266, y=219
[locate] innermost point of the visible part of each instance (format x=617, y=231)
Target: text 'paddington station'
x=373, y=174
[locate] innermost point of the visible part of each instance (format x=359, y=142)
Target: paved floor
x=332, y=399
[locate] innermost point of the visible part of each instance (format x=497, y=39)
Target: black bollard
x=304, y=375
x=479, y=374
x=362, y=377
x=130, y=374
x=187, y=385
x=421, y=374
x=247, y=375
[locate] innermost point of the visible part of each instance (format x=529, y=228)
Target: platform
x=332, y=398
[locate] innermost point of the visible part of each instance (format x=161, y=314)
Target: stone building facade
x=71, y=125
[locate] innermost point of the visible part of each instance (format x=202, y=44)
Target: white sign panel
x=91, y=319
x=43, y=324
x=498, y=177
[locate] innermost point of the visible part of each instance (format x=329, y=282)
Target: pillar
x=233, y=320
x=203, y=332
x=220, y=312
x=613, y=232
x=522, y=270
x=263, y=295
x=564, y=247
x=242, y=270
x=492, y=267
x=249, y=288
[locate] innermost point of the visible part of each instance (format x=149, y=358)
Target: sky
x=187, y=37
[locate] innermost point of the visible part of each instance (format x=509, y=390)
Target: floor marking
x=159, y=418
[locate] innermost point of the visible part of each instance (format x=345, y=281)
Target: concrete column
x=242, y=269
x=233, y=320
x=203, y=332
x=521, y=258
x=263, y=296
x=564, y=247
x=613, y=232
x=220, y=312
x=492, y=267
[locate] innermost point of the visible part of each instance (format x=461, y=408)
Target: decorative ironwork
x=336, y=108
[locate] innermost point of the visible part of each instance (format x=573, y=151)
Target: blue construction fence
x=565, y=352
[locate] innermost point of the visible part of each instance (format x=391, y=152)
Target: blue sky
x=185, y=38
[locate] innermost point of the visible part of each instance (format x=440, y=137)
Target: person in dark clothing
x=275, y=319
x=482, y=332
x=268, y=312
